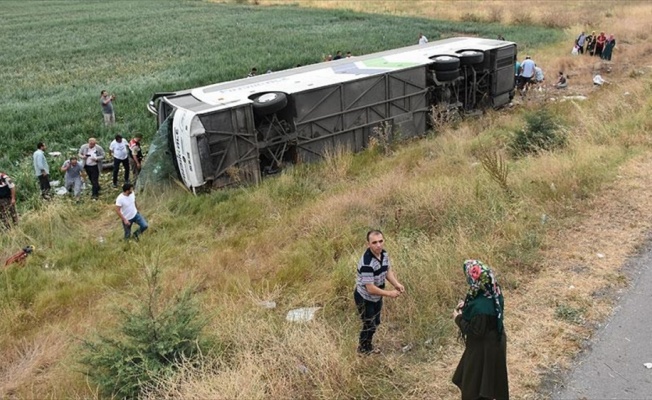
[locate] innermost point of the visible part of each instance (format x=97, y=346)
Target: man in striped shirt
x=374, y=267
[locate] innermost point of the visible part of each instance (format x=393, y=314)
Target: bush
x=149, y=346
x=542, y=132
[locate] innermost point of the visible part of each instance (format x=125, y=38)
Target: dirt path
x=590, y=270
x=613, y=366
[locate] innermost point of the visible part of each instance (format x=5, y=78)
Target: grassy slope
x=261, y=243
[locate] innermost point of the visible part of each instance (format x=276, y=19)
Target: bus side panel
x=408, y=106
x=344, y=115
x=228, y=150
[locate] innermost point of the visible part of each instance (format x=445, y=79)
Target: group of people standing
x=596, y=45
x=482, y=370
x=89, y=159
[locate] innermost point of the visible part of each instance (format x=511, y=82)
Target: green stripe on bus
x=382, y=63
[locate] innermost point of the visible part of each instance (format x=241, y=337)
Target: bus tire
x=445, y=76
x=269, y=103
x=471, y=57
x=445, y=63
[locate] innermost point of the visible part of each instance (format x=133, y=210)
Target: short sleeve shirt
x=372, y=270
x=120, y=149
x=127, y=205
x=528, y=68
x=74, y=171
x=108, y=107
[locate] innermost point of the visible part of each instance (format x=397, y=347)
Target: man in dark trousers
x=92, y=154
x=42, y=170
x=126, y=208
x=374, y=267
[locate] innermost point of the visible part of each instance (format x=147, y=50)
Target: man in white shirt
x=125, y=207
x=119, y=148
x=527, y=73
x=422, y=39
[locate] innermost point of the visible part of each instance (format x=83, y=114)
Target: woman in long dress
x=482, y=371
x=608, y=48
x=599, y=44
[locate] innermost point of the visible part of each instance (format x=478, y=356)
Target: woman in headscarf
x=482, y=371
x=590, y=43
x=608, y=48
x=599, y=44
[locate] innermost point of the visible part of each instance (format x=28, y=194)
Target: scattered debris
x=303, y=369
x=600, y=255
x=55, y=153
x=267, y=304
x=55, y=183
x=100, y=239
x=598, y=80
x=302, y=314
x=648, y=365
x=571, y=287
x=20, y=256
x=406, y=348
x=62, y=191
x=580, y=98
x=544, y=219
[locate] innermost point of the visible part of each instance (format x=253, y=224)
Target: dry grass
x=257, y=249
x=548, y=13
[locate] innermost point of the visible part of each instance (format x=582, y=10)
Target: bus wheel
x=269, y=103
x=471, y=57
x=445, y=76
x=445, y=63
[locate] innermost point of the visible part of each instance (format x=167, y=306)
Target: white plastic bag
x=575, y=51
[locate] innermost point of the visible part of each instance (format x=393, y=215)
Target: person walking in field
x=119, y=148
x=73, y=180
x=42, y=170
x=106, y=101
x=482, y=370
x=92, y=154
x=422, y=39
x=125, y=207
x=8, y=214
x=136, y=155
x=374, y=267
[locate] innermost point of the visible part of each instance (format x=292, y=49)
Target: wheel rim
x=266, y=98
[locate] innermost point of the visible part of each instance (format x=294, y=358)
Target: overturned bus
x=237, y=131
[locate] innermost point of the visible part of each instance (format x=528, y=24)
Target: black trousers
x=369, y=312
x=116, y=167
x=44, y=183
x=93, y=172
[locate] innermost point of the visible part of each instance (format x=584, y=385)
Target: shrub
x=151, y=343
x=470, y=17
x=542, y=132
x=521, y=17
x=496, y=14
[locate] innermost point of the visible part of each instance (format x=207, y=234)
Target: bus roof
x=233, y=93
